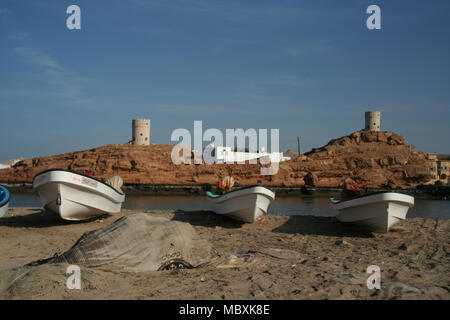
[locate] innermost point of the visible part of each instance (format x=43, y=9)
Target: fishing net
x=138, y=243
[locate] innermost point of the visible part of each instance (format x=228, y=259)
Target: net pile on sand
x=139, y=243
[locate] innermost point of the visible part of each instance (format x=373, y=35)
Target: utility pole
x=298, y=145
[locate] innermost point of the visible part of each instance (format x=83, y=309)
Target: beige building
x=439, y=167
x=141, y=132
x=373, y=120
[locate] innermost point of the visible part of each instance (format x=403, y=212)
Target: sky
x=308, y=68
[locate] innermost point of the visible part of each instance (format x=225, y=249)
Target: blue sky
x=309, y=68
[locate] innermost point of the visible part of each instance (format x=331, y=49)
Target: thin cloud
x=20, y=36
x=188, y=110
x=306, y=49
x=150, y=30
x=288, y=80
x=38, y=58
x=263, y=83
x=4, y=11
x=61, y=81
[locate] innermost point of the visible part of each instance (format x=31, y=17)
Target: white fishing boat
x=5, y=195
x=246, y=204
x=378, y=211
x=75, y=196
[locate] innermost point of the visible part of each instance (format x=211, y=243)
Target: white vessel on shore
x=246, y=204
x=378, y=211
x=75, y=196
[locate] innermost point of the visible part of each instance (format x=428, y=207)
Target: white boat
x=5, y=195
x=378, y=211
x=246, y=204
x=75, y=196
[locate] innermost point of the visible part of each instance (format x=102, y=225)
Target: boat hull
x=76, y=197
x=4, y=209
x=245, y=205
x=379, y=212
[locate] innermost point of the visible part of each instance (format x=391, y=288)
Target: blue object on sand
x=4, y=196
x=4, y=200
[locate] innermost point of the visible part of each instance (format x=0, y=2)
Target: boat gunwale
x=4, y=204
x=244, y=188
x=345, y=203
x=80, y=174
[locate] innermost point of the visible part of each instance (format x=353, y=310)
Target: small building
x=141, y=132
x=373, y=119
x=226, y=155
x=9, y=163
x=439, y=167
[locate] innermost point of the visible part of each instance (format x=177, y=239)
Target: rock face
x=373, y=159
x=310, y=179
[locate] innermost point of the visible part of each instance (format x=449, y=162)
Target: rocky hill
x=373, y=159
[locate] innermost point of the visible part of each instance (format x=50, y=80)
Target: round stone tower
x=372, y=120
x=141, y=132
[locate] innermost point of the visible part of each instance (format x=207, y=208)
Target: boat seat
x=334, y=200
x=212, y=194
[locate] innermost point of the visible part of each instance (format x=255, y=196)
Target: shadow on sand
x=307, y=225
x=206, y=219
x=39, y=218
x=326, y=226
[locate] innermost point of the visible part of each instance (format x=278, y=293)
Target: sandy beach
x=281, y=257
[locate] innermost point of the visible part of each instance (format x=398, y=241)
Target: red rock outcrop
x=373, y=159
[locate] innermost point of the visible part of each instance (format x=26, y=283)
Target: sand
x=291, y=257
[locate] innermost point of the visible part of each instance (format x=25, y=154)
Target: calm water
x=293, y=205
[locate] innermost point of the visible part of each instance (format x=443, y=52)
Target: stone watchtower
x=372, y=121
x=141, y=132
